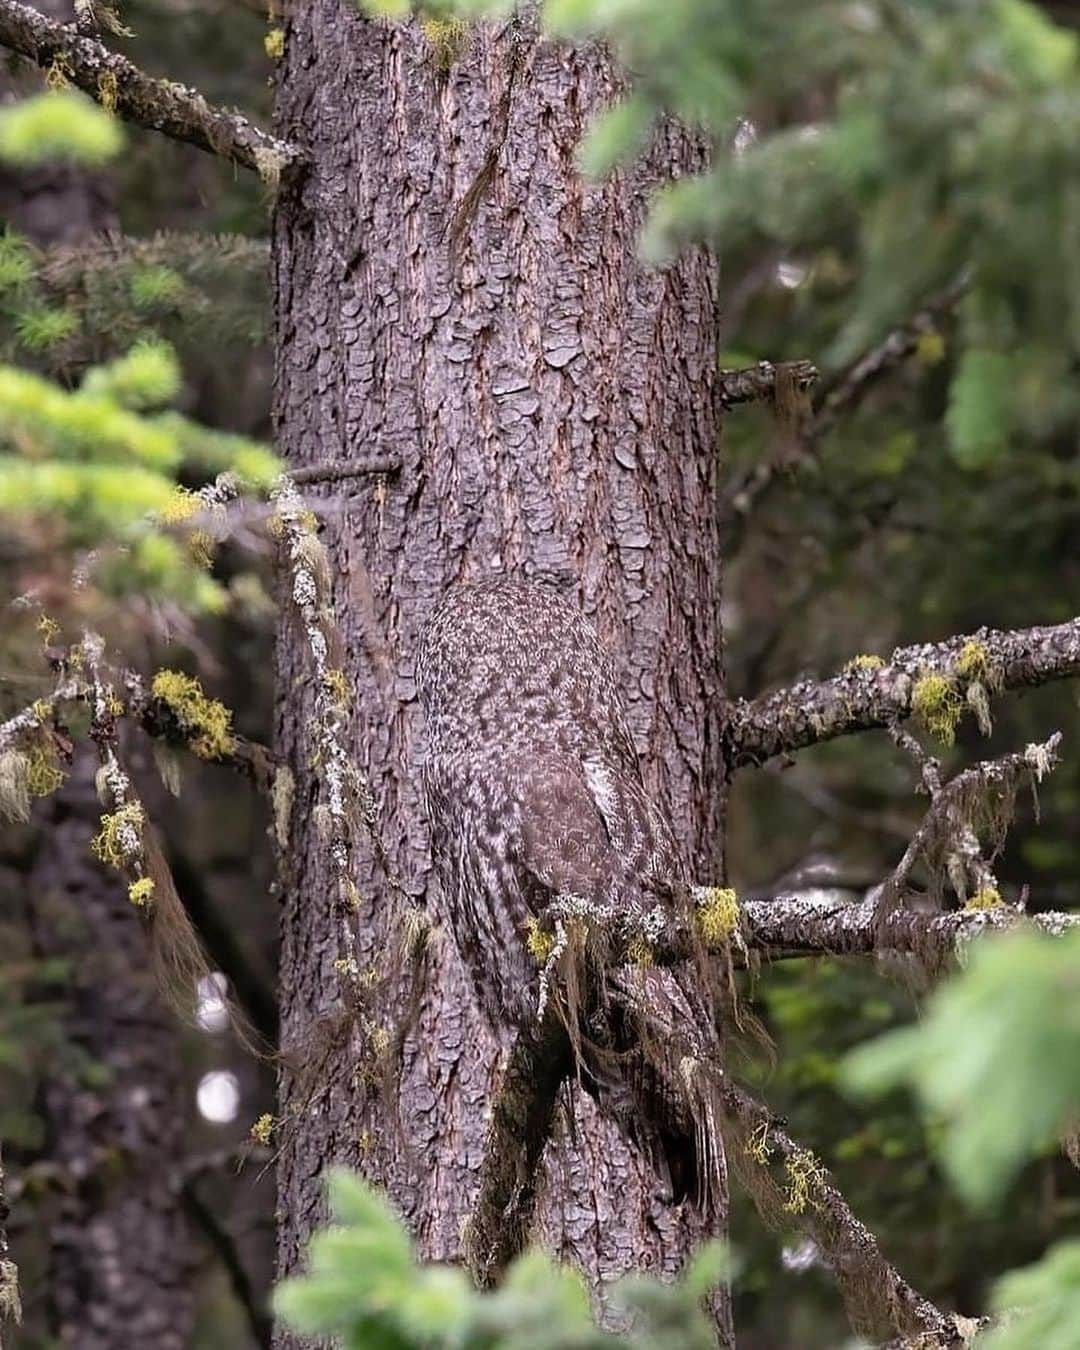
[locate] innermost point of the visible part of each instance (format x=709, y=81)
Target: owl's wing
x=589, y=829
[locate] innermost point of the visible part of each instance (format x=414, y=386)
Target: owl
x=532, y=786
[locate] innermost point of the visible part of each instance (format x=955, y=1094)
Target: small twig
x=758, y=384
x=357, y=468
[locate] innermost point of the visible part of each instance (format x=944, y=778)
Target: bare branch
x=797, y=925
x=865, y=696
x=520, y=1126
x=160, y=105
x=765, y=382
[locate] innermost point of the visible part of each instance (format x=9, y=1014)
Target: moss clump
x=865, y=662
x=806, y=1176
x=446, y=38
x=539, y=941
x=938, y=706
x=717, y=915
x=263, y=1129
x=120, y=835
x=43, y=772
x=988, y=898
x=141, y=892
x=205, y=721
x=274, y=43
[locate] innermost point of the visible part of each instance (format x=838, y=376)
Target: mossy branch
x=173, y=109
x=863, y=696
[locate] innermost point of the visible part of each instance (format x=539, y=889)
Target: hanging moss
x=938, y=706
x=43, y=772
x=14, y=789
x=205, y=721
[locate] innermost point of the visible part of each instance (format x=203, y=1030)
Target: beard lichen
x=936, y=702
x=806, y=1176
x=120, y=836
x=14, y=788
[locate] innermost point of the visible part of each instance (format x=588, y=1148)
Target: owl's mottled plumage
x=531, y=781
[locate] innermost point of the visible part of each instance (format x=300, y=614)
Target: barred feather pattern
x=531, y=782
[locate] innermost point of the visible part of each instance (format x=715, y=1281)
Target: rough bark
x=451, y=294
x=120, y=1260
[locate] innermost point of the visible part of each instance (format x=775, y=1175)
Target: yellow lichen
x=446, y=38
x=43, y=772
x=108, y=89
x=42, y=709
x=200, y=546
x=59, y=74
x=930, y=348
x=181, y=506
x=378, y=1041
x=114, y=704
x=120, y=835
x=988, y=898
x=806, y=1176
x=263, y=1129
x=274, y=42
x=337, y=686
x=539, y=941
x=48, y=628
x=973, y=663
x=717, y=915
x=639, y=951
x=865, y=662
x=759, y=1145
x=938, y=706
x=141, y=892
x=346, y=965
x=205, y=721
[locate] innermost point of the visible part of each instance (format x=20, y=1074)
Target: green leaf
x=1045, y=1302
x=979, y=413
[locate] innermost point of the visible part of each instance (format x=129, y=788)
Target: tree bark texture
x=450, y=293
x=120, y=1269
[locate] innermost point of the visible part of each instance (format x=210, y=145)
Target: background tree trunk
x=449, y=291
x=119, y=1273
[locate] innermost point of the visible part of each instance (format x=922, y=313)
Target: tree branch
x=864, y=697
x=519, y=1130
x=160, y=105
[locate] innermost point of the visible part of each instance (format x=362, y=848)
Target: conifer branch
x=160, y=105
x=870, y=693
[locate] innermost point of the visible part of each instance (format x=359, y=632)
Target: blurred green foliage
x=365, y=1286
x=59, y=125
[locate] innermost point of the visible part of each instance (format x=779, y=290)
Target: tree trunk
x=120, y=1261
x=449, y=292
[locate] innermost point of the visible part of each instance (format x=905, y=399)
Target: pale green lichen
x=937, y=705
x=717, y=915
x=205, y=722
x=282, y=792
x=274, y=43
x=973, y=662
x=759, y=1145
x=141, y=892
x=863, y=661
